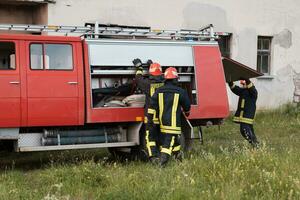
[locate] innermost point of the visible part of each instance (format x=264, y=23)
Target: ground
x=224, y=167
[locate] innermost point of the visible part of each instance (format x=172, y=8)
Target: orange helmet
x=171, y=73
x=155, y=69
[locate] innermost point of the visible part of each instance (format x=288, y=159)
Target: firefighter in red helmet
x=167, y=104
x=148, y=85
x=246, y=109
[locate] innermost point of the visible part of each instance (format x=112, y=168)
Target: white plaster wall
x=245, y=19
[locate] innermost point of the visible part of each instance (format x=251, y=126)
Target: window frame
x=15, y=50
x=261, y=52
x=44, y=54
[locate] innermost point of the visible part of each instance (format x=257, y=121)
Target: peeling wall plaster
x=284, y=39
x=197, y=14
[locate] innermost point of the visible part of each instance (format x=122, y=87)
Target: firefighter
x=167, y=105
x=148, y=87
x=246, y=109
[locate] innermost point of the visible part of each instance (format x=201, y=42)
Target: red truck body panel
x=212, y=94
x=42, y=97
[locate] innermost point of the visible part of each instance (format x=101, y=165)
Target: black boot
x=178, y=156
x=164, y=158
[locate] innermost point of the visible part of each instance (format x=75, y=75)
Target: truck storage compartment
x=111, y=73
x=106, y=135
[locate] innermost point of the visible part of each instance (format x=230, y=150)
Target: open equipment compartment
x=112, y=72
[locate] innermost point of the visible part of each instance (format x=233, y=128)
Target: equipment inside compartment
x=116, y=87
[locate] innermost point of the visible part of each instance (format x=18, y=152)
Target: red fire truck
x=67, y=92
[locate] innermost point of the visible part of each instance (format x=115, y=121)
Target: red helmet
x=155, y=69
x=171, y=73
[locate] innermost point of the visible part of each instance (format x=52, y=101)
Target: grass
x=225, y=167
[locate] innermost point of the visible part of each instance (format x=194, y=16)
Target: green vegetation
x=225, y=167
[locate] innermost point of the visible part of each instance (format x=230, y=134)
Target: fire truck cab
x=69, y=92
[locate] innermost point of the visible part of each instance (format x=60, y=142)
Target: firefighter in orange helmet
x=246, y=109
x=167, y=104
x=148, y=85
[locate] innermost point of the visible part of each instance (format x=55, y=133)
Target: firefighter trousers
x=170, y=145
x=247, y=132
x=152, y=140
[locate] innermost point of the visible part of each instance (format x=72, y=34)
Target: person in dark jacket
x=166, y=106
x=246, y=109
x=148, y=85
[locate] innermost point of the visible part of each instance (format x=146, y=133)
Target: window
x=51, y=56
x=224, y=44
x=264, y=54
x=7, y=56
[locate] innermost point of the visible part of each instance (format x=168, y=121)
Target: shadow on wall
x=197, y=15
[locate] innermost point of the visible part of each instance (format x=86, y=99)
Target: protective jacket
x=165, y=107
x=148, y=86
x=247, y=103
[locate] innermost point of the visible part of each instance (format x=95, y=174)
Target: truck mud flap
x=235, y=70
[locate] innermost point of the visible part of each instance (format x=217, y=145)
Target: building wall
x=245, y=19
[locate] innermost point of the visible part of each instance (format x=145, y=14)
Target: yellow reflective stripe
x=169, y=131
x=151, y=111
x=145, y=120
x=165, y=150
x=155, y=122
x=147, y=144
x=151, y=144
x=244, y=120
x=169, y=150
x=153, y=87
x=177, y=148
x=241, y=114
x=243, y=103
x=172, y=143
x=152, y=90
x=174, y=110
x=250, y=85
x=161, y=105
x=170, y=127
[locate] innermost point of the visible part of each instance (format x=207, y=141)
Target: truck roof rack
x=95, y=30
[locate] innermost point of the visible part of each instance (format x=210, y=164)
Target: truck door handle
x=14, y=82
x=72, y=83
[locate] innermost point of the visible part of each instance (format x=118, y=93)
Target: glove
x=149, y=62
x=137, y=63
x=187, y=113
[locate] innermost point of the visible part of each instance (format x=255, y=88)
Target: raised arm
x=235, y=89
x=251, y=88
